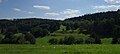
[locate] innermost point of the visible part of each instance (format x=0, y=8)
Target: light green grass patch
x=60, y=49
x=106, y=40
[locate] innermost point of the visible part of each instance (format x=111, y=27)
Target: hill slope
x=105, y=24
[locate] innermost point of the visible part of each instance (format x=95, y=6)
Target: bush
x=18, y=38
x=116, y=41
x=79, y=41
x=97, y=41
x=1, y=38
x=29, y=37
x=61, y=41
x=8, y=38
x=89, y=41
x=69, y=40
x=53, y=41
x=96, y=37
x=21, y=40
x=77, y=31
x=39, y=32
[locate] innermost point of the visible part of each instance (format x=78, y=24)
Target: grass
x=106, y=40
x=42, y=47
x=60, y=49
x=76, y=35
x=44, y=40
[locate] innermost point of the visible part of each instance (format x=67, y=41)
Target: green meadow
x=43, y=47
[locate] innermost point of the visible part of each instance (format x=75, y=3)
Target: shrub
x=97, y=41
x=53, y=41
x=89, y=41
x=21, y=40
x=79, y=41
x=29, y=37
x=61, y=41
x=7, y=39
x=39, y=32
x=69, y=40
x=96, y=37
x=116, y=41
x=18, y=38
x=1, y=38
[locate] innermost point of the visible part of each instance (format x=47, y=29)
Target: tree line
x=37, y=28
x=70, y=40
x=18, y=38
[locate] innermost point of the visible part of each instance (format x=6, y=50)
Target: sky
x=54, y=9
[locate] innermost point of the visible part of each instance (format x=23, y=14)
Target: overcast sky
x=54, y=9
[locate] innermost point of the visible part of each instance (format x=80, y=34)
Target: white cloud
x=30, y=12
x=112, y=1
x=71, y=13
x=0, y=1
x=67, y=13
x=52, y=14
x=19, y=10
x=16, y=9
x=41, y=7
x=107, y=7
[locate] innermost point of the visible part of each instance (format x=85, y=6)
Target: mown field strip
x=60, y=49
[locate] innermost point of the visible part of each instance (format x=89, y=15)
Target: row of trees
x=17, y=38
x=38, y=27
x=68, y=40
x=24, y=31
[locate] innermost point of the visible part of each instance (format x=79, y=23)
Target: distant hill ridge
x=97, y=16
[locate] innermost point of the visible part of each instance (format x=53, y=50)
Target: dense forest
x=103, y=24
x=11, y=29
x=24, y=31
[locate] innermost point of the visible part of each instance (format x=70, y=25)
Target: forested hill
x=103, y=24
x=97, y=16
x=29, y=25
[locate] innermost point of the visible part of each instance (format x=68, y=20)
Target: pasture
x=43, y=47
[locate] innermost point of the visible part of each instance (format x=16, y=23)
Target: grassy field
x=42, y=47
x=60, y=49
